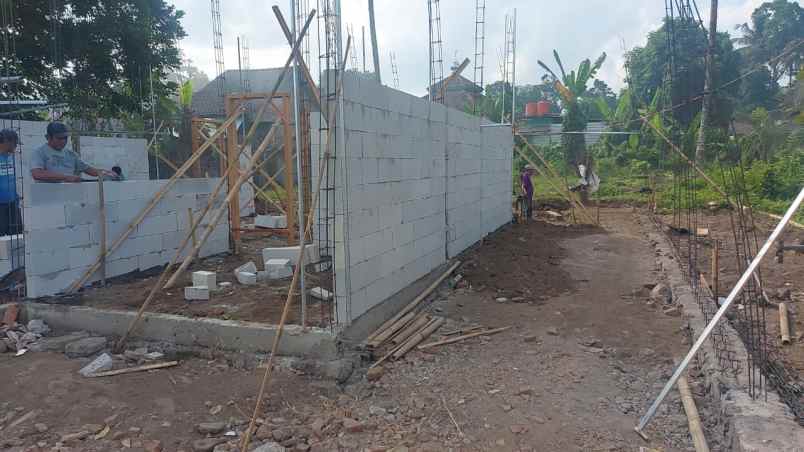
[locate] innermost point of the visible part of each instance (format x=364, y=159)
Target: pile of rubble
x=18, y=338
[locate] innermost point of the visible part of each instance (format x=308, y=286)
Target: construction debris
x=129, y=370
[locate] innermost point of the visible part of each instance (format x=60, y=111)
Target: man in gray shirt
x=53, y=163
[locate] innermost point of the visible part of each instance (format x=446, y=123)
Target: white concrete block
x=278, y=268
x=122, y=266
x=271, y=221
x=52, y=261
x=321, y=294
x=192, y=293
x=45, y=240
x=205, y=278
x=291, y=253
x=151, y=260
x=158, y=225
x=44, y=217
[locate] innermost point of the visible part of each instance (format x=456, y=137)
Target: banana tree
x=571, y=87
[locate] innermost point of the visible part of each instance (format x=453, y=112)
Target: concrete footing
x=761, y=425
x=229, y=335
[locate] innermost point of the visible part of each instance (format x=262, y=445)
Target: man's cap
x=56, y=128
x=9, y=135
x=528, y=166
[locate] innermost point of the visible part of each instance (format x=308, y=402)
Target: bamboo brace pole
x=568, y=197
x=269, y=369
x=421, y=335
x=234, y=190
x=693, y=419
x=166, y=271
x=150, y=206
x=784, y=325
x=643, y=422
x=463, y=338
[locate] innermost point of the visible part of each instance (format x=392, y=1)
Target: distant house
x=208, y=103
x=461, y=93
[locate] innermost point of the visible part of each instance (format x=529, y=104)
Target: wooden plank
x=130, y=370
x=418, y=337
x=102, y=227
x=233, y=161
x=416, y=301
x=784, y=324
x=452, y=340
x=290, y=204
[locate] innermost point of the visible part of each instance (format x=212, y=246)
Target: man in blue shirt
x=53, y=163
x=9, y=201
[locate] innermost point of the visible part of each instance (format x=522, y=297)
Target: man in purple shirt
x=527, y=189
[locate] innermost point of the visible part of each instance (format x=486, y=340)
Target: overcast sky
x=578, y=29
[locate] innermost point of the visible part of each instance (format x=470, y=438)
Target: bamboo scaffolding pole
x=266, y=378
x=409, y=330
x=420, y=335
x=555, y=174
x=234, y=191
x=388, y=332
x=564, y=193
x=166, y=271
x=186, y=166
x=129, y=370
x=452, y=340
x=150, y=206
x=693, y=419
x=305, y=70
x=257, y=188
x=413, y=304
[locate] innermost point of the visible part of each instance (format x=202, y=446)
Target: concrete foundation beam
x=229, y=335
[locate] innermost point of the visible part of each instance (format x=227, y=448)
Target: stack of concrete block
x=62, y=230
x=203, y=283
x=415, y=182
x=12, y=253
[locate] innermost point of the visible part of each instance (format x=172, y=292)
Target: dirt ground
x=583, y=359
x=260, y=303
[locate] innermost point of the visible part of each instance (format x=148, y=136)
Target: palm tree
x=571, y=87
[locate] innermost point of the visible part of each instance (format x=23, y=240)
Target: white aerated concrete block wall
x=62, y=233
x=416, y=184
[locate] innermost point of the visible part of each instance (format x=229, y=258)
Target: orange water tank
x=531, y=109
x=542, y=108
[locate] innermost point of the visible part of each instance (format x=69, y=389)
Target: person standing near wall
x=53, y=163
x=10, y=218
x=527, y=189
